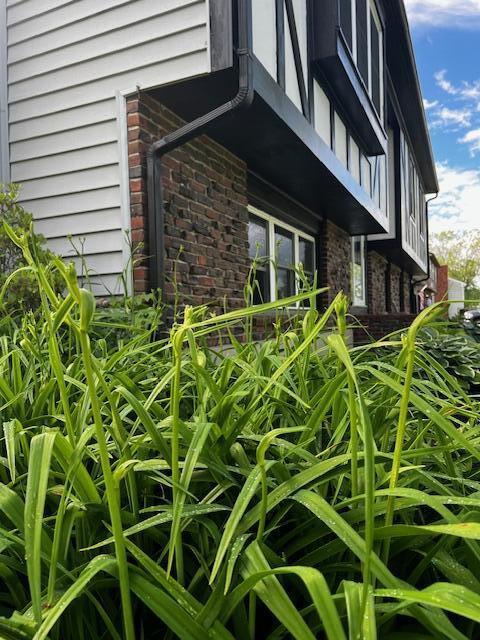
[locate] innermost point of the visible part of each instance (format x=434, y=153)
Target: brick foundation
x=378, y=326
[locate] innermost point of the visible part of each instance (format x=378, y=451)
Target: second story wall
x=69, y=66
x=412, y=207
x=287, y=40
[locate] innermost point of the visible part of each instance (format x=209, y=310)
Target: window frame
x=359, y=302
x=372, y=6
x=371, y=9
x=273, y=222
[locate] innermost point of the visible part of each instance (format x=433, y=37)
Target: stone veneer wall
x=376, y=271
x=395, y=285
x=334, y=264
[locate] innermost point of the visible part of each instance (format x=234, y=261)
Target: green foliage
x=461, y=251
x=456, y=352
x=117, y=319
x=22, y=293
x=295, y=488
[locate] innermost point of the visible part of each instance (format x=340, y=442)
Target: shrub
x=159, y=489
x=22, y=294
x=456, y=352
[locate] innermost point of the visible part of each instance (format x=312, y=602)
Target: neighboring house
x=442, y=283
x=456, y=293
x=320, y=154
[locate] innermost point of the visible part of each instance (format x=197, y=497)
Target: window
x=277, y=250
x=422, y=210
x=412, y=190
x=284, y=263
x=375, y=60
x=306, y=256
x=359, y=294
x=362, y=30
x=346, y=25
x=362, y=39
x=259, y=251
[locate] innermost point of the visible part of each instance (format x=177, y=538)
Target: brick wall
x=334, y=267
x=205, y=203
x=376, y=327
x=442, y=283
x=206, y=227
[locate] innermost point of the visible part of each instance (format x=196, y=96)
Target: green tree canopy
x=461, y=251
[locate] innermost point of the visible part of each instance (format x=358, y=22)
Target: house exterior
x=213, y=132
x=456, y=293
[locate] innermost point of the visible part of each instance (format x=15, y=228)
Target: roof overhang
x=278, y=143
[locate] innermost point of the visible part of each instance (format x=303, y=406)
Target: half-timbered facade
x=214, y=133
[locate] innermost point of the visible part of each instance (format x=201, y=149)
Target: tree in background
x=461, y=251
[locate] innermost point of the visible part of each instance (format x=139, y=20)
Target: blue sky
x=446, y=37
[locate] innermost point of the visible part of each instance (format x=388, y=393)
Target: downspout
x=427, y=230
x=171, y=141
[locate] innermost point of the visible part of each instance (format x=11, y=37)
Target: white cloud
x=446, y=117
x=429, y=104
x=443, y=83
x=458, y=204
x=472, y=138
x=458, y=13
x=468, y=91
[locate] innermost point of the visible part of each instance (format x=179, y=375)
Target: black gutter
x=171, y=141
x=427, y=231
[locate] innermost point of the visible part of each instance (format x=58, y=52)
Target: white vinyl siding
x=68, y=63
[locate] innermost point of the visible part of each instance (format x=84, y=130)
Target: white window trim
x=359, y=302
x=273, y=222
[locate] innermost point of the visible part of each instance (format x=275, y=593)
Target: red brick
x=202, y=181
x=137, y=185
